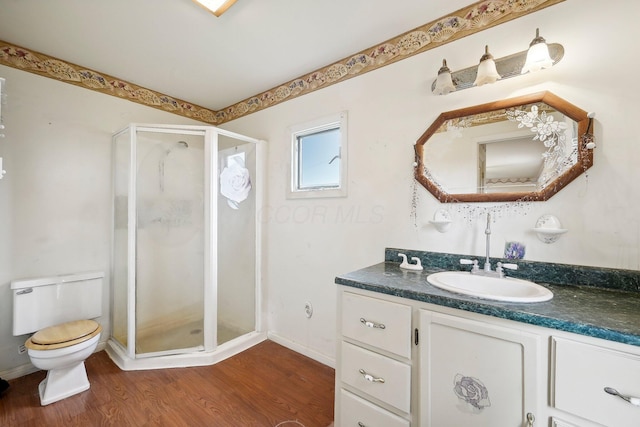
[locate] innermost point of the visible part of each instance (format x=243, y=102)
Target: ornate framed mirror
x=526, y=148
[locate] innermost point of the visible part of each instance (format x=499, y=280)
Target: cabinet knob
x=370, y=324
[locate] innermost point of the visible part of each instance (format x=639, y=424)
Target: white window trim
x=314, y=126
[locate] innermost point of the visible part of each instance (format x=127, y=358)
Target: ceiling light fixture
x=539, y=56
x=217, y=7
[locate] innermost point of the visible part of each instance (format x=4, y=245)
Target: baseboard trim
x=305, y=351
x=28, y=368
x=199, y=358
x=18, y=371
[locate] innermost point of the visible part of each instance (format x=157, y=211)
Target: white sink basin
x=498, y=289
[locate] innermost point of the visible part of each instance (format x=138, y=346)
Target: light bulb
x=538, y=55
x=487, y=72
x=444, y=83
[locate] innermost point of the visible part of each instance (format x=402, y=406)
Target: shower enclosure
x=185, y=287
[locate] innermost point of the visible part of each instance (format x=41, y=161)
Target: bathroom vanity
x=411, y=354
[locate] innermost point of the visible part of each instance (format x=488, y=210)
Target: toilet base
x=62, y=383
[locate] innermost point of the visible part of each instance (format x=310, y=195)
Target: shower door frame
x=211, y=189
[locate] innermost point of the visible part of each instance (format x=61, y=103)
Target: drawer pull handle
x=360, y=424
x=633, y=400
x=530, y=419
x=370, y=377
x=370, y=324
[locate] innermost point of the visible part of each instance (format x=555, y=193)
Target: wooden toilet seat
x=64, y=335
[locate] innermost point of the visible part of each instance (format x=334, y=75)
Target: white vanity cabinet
x=475, y=373
x=373, y=370
x=402, y=362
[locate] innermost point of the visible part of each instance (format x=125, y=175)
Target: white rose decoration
x=235, y=184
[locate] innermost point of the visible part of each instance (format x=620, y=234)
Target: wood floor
x=267, y=385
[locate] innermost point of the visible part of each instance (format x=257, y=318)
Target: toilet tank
x=47, y=301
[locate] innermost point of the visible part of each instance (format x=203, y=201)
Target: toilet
x=58, y=311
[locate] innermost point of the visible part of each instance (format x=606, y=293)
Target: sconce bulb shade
x=487, y=72
x=538, y=56
x=444, y=83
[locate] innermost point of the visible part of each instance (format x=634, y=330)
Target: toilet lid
x=67, y=332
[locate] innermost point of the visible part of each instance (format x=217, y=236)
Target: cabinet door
x=474, y=373
x=581, y=373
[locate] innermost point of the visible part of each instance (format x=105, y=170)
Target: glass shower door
x=237, y=237
x=170, y=241
x=120, y=272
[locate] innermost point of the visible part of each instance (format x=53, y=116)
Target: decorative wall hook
x=588, y=140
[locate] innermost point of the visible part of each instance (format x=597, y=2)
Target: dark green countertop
x=587, y=310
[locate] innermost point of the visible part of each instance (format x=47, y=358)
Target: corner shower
x=185, y=285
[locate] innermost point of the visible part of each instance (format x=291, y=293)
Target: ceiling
x=177, y=48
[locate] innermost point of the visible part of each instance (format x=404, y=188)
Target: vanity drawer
x=382, y=324
x=381, y=377
x=557, y=422
x=357, y=412
x=582, y=371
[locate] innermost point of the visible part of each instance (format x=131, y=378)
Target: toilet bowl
x=61, y=350
x=64, y=337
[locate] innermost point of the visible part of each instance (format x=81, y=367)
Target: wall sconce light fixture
x=217, y=7
x=444, y=84
x=487, y=72
x=540, y=55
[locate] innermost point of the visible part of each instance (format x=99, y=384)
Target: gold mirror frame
x=584, y=155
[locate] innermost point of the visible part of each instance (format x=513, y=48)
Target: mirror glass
x=525, y=148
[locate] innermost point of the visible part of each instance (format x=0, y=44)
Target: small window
x=318, y=158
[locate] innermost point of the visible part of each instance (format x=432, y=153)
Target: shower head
x=173, y=145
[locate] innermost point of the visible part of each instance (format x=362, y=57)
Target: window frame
x=334, y=121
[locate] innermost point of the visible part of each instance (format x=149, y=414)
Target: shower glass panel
x=185, y=245
x=121, y=161
x=169, y=242
x=236, y=238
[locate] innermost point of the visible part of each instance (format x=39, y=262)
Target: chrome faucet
x=487, y=271
x=487, y=232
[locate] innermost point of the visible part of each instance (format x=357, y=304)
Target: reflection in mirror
x=525, y=148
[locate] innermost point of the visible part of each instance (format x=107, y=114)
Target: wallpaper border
x=477, y=17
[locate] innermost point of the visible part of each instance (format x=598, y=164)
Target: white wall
x=309, y=242
x=55, y=200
